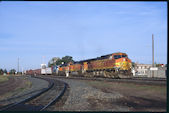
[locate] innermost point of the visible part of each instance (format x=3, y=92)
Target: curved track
x=42, y=100
x=151, y=81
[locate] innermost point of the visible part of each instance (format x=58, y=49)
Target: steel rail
x=36, y=95
x=131, y=80
x=27, y=99
x=56, y=98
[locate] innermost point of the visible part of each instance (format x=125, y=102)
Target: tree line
x=4, y=71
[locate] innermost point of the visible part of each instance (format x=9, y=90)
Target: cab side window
x=124, y=55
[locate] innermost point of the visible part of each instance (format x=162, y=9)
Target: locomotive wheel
x=125, y=74
x=108, y=74
x=104, y=73
x=89, y=74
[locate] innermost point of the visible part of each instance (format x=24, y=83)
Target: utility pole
x=152, y=54
x=22, y=71
x=18, y=64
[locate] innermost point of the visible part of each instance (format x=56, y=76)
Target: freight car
x=115, y=65
x=33, y=72
x=47, y=71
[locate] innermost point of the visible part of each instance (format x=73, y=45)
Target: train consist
x=47, y=71
x=33, y=72
x=115, y=65
x=43, y=71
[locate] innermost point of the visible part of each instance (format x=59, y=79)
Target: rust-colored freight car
x=33, y=72
x=29, y=72
x=37, y=72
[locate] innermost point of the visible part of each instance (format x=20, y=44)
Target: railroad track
x=147, y=81
x=42, y=100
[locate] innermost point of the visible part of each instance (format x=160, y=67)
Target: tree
x=12, y=71
x=67, y=59
x=5, y=71
x=57, y=61
x=53, y=61
x=1, y=72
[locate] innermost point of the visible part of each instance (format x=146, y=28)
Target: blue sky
x=31, y=30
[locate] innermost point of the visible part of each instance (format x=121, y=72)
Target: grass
x=27, y=84
x=3, y=78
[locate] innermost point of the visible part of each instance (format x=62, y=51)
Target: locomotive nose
x=125, y=65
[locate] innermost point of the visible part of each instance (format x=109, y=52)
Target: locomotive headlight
x=123, y=59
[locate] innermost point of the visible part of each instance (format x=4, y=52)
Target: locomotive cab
x=122, y=62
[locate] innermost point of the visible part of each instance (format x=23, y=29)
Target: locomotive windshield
x=120, y=56
x=117, y=56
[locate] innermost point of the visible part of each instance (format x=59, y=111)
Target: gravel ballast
x=83, y=97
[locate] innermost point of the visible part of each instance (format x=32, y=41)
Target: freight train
x=43, y=71
x=47, y=71
x=115, y=65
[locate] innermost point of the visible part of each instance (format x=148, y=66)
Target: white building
x=145, y=70
x=142, y=69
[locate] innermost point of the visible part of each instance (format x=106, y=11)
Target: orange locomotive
x=115, y=65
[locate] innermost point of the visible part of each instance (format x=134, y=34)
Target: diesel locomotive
x=115, y=65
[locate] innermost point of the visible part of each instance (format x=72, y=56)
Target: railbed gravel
x=83, y=97
x=36, y=86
